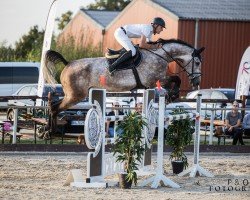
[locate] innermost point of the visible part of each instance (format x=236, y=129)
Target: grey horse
x=79, y=76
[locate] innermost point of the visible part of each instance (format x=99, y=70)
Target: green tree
x=29, y=45
x=114, y=5
x=7, y=53
x=64, y=20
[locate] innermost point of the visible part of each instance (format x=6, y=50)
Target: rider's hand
x=159, y=45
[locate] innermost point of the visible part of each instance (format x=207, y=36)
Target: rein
x=178, y=63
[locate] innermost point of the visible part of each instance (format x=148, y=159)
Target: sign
x=243, y=79
x=46, y=44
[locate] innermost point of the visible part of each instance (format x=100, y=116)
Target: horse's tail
x=49, y=70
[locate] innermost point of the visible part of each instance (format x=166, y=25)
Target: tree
x=114, y=5
x=7, y=53
x=31, y=42
x=64, y=20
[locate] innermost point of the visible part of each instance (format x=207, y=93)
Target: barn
x=88, y=27
x=222, y=26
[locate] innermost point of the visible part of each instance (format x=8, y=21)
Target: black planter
x=177, y=166
x=123, y=182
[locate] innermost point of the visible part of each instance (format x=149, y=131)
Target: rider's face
x=158, y=29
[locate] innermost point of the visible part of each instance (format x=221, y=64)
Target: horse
x=78, y=76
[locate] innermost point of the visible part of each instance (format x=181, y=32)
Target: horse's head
x=188, y=58
x=193, y=68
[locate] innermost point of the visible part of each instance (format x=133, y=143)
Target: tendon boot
x=124, y=57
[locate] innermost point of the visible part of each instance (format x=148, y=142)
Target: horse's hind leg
x=53, y=108
x=57, y=107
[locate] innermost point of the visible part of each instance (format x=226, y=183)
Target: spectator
x=233, y=123
x=246, y=124
x=138, y=107
x=110, y=126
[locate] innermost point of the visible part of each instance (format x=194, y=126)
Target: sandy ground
x=42, y=175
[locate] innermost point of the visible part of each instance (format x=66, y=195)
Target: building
x=88, y=27
x=222, y=26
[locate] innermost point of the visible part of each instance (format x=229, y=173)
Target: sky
x=18, y=16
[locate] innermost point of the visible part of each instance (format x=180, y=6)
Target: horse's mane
x=163, y=41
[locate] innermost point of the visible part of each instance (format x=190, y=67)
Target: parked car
x=13, y=75
x=31, y=90
x=74, y=115
x=229, y=92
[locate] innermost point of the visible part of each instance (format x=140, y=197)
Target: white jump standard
x=196, y=169
x=159, y=170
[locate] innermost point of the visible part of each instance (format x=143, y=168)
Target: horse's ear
x=200, y=50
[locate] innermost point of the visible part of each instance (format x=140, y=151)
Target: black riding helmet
x=159, y=21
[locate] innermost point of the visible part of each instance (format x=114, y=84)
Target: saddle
x=132, y=63
x=113, y=55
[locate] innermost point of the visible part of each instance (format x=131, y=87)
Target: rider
x=142, y=31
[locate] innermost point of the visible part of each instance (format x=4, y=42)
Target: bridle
x=193, y=75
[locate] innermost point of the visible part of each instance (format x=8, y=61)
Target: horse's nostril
x=195, y=82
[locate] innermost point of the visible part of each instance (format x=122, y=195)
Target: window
x=18, y=75
x=33, y=91
x=24, y=91
x=25, y=75
x=5, y=75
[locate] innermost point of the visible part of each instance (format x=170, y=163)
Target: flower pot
x=177, y=166
x=123, y=182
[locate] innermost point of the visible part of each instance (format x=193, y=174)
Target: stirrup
x=111, y=73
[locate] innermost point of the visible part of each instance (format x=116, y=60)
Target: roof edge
x=91, y=19
x=151, y=3
x=68, y=24
x=162, y=9
x=120, y=14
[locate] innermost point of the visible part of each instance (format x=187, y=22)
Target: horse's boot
x=124, y=57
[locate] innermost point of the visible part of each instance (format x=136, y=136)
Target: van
x=14, y=75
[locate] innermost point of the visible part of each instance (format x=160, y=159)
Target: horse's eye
x=197, y=61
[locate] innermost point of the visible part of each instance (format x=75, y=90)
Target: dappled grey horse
x=79, y=76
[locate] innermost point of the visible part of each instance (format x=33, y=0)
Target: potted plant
x=128, y=147
x=178, y=135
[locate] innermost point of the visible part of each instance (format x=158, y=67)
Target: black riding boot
x=123, y=58
x=112, y=51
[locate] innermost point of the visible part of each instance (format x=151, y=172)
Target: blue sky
x=18, y=16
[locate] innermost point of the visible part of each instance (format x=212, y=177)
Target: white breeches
x=124, y=40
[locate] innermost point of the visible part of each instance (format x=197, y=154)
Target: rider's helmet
x=159, y=21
